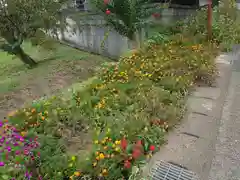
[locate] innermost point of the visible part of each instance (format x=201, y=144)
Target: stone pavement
x=226, y=161
x=207, y=142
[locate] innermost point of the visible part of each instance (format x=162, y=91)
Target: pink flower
x=123, y=144
x=108, y=12
x=127, y=164
x=106, y=1
x=152, y=148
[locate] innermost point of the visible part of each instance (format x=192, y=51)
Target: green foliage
x=27, y=19
x=225, y=27
x=126, y=16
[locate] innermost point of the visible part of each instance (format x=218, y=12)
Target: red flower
x=152, y=148
x=123, y=144
x=139, y=143
x=108, y=12
x=156, y=15
x=136, y=153
x=127, y=164
x=106, y=1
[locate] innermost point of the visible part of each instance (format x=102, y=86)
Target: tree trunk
x=135, y=41
x=26, y=59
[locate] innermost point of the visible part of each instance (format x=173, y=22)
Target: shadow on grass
x=49, y=59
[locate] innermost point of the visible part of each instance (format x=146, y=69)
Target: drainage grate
x=170, y=171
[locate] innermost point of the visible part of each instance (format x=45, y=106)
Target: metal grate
x=170, y=171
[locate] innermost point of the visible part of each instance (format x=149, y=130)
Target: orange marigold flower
x=77, y=173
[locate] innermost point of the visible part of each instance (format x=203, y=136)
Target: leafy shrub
x=225, y=28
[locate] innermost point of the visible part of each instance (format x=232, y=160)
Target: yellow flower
x=71, y=177
x=73, y=158
x=23, y=133
x=70, y=165
x=117, y=142
x=96, y=142
x=101, y=156
x=117, y=149
x=94, y=164
x=104, y=171
x=113, y=146
x=77, y=173
x=103, y=141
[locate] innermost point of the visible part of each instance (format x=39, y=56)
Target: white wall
x=90, y=35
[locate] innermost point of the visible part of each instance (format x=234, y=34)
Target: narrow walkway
x=226, y=161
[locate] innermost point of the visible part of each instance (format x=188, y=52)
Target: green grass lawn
x=13, y=73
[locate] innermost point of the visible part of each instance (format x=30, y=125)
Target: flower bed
x=115, y=124
x=117, y=121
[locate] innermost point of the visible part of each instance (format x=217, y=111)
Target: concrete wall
x=91, y=34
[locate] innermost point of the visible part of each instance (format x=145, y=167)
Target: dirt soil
x=46, y=80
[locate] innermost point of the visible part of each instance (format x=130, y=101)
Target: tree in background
x=127, y=17
x=27, y=20
x=215, y=2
